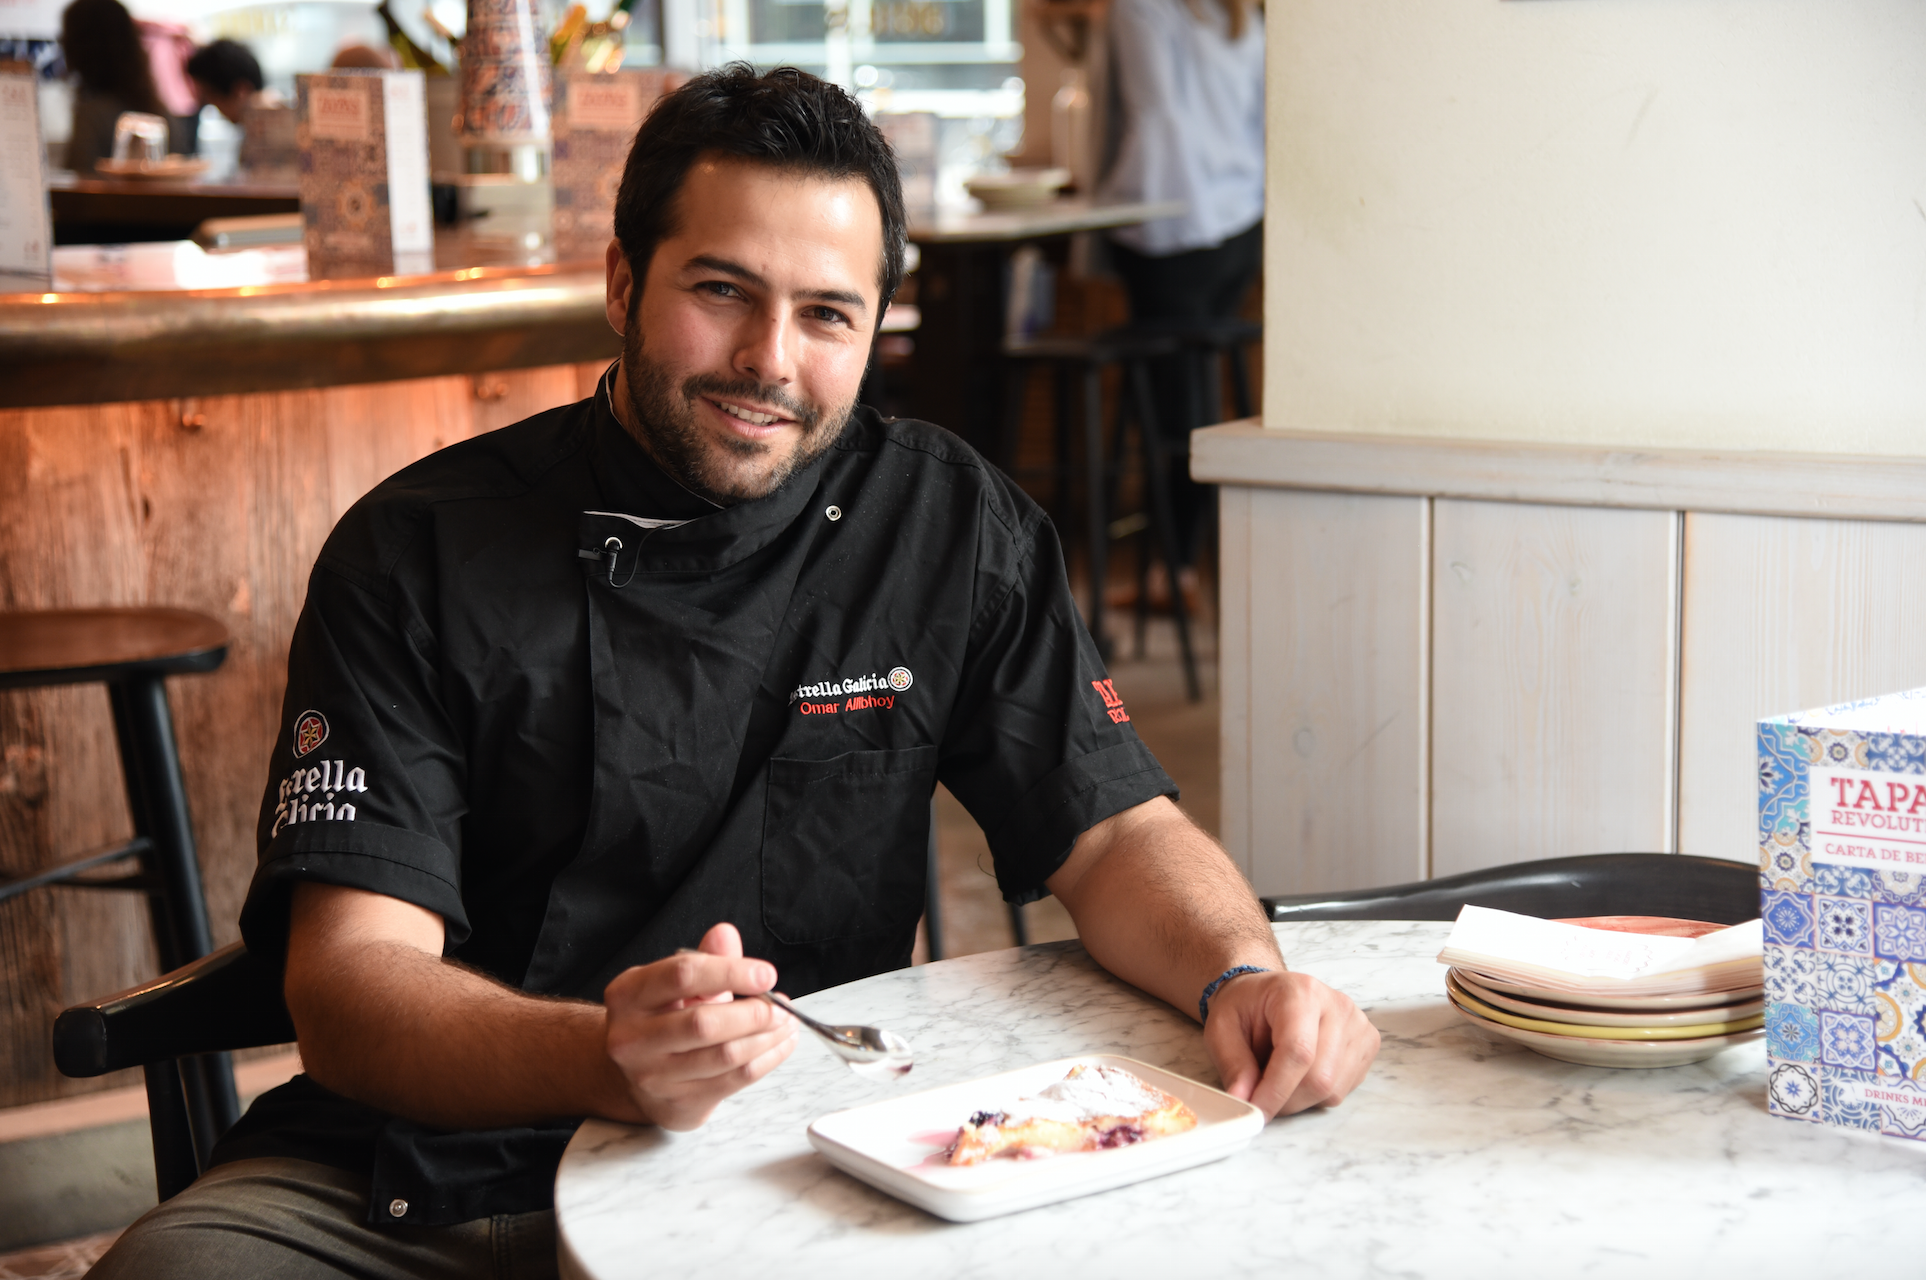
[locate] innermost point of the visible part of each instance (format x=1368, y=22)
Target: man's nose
x=767, y=353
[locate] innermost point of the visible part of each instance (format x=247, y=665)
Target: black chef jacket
x=522, y=696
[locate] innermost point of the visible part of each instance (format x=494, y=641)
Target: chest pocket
x=845, y=844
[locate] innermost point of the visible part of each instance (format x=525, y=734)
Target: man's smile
x=751, y=417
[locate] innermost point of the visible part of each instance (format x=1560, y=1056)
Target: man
x=677, y=666
x=225, y=76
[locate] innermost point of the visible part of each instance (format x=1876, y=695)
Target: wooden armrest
x=226, y=1000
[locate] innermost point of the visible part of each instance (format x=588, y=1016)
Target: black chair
x=220, y=1002
x=933, y=904
x=1599, y=884
x=1082, y=361
x=132, y=651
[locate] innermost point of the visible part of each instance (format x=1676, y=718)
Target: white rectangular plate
x=897, y=1146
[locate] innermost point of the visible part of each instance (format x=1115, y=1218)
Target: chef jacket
x=582, y=715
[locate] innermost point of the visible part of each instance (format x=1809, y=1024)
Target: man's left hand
x=1286, y=1042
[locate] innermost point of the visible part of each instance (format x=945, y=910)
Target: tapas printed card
x=596, y=116
x=364, y=169
x=26, y=226
x=1842, y=861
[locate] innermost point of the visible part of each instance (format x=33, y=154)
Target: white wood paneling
x=1234, y=673
x=1784, y=615
x=1323, y=688
x=1833, y=486
x=1551, y=674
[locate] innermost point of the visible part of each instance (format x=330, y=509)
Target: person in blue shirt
x=1186, y=124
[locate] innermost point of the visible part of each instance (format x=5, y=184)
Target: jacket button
x=397, y=1208
x=834, y=513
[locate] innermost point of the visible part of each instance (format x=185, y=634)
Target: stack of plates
x=1610, y=1031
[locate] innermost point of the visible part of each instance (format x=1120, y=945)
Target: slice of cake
x=1093, y=1108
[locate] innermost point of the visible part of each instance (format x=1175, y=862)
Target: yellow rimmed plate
x=1610, y=1053
x=1629, y=1004
x=1566, y=1030
x=1584, y=1015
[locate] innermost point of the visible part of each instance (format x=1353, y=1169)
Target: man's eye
x=719, y=289
x=828, y=315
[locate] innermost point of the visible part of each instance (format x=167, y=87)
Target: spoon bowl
x=870, y=1052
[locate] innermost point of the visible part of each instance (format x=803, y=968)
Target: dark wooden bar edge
x=74, y=348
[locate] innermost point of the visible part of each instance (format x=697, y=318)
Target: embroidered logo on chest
x=871, y=692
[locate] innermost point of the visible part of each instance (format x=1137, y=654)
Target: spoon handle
x=782, y=1002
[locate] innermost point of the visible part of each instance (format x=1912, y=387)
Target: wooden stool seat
x=84, y=646
x=132, y=652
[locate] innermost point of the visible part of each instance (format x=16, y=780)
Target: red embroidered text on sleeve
x=1111, y=702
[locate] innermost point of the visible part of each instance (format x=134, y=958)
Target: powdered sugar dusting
x=1086, y=1094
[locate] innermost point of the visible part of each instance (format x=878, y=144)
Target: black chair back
x=1599, y=884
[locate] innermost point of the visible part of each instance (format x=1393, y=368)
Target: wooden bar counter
x=194, y=448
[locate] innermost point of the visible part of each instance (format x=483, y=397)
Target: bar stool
x=1210, y=342
x=132, y=651
x=1083, y=359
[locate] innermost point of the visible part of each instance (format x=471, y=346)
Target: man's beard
x=662, y=417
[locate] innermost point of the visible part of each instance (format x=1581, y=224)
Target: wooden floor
x=68, y=1260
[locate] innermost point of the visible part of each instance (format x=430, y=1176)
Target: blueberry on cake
x=1093, y=1108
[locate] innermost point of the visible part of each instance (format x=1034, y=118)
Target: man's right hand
x=682, y=1040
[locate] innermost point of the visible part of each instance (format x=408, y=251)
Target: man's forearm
x=1159, y=904
x=395, y=1026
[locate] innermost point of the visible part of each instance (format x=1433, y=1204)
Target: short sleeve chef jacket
x=582, y=735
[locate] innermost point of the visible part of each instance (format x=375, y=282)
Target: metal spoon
x=866, y=1051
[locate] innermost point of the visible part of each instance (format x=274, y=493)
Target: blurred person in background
x=169, y=46
x=226, y=77
x=1186, y=123
x=103, y=49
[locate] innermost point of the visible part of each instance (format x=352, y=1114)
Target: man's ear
x=621, y=284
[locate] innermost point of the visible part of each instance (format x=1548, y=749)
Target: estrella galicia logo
x=901, y=679
x=310, y=731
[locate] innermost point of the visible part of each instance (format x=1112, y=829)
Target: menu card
x=26, y=227
x=596, y=116
x=1842, y=862
x=1584, y=961
x=364, y=169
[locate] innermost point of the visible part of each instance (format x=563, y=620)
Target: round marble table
x=1460, y=1155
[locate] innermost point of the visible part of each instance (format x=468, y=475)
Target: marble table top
x=1460, y=1155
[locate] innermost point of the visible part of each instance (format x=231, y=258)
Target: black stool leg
x=933, y=895
x=1019, y=927
x=1241, y=383
x=1060, y=388
x=1119, y=448
x=1213, y=358
x=1096, y=496
x=157, y=798
x=1157, y=489
x=175, y=1163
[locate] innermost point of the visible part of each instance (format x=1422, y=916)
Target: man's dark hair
x=786, y=118
x=222, y=65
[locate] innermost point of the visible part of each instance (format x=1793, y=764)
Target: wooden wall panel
x=1550, y=682
x=1330, y=683
x=1784, y=615
x=218, y=504
x=1234, y=645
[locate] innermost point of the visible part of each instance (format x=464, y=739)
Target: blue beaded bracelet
x=1203, y=1001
